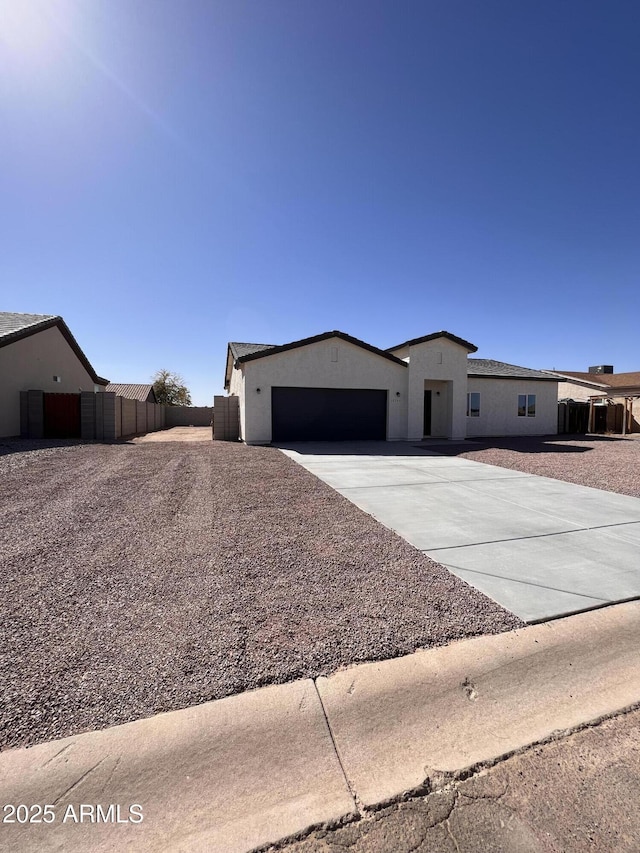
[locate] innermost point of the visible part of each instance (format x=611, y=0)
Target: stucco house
x=602, y=385
x=37, y=351
x=335, y=387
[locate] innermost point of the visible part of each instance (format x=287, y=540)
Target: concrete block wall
x=108, y=402
x=226, y=418
x=141, y=416
x=128, y=417
x=98, y=425
x=32, y=414
x=118, y=425
x=103, y=416
x=188, y=415
x=24, y=414
x=87, y=415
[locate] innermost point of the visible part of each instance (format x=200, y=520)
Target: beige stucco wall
x=499, y=407
x=575, y=391
x=31, y=363
x=312, y=367
x=440, y=407
x=445, y=361
x=236, y=389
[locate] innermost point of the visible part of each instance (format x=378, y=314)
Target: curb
x=251, y=770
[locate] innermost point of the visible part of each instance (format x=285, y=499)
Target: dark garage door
x=328, y=414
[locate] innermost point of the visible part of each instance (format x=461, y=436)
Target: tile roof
x=238, y=349
x=490, y=367
x=314, y=340
x=621, y=380
x=433, y=337
x=607, y=380
x=132, y=391
x=15, y=326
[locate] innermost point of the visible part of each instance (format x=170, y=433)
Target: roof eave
x=434, y=336
x=27, y=331
x=317, y=339
x=565, y=377
x=476, y=375
x=66, y=333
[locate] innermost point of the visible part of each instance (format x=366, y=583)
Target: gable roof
x=432, y=337
x=14, y=327
x=238, y=350
x=139, y=392
x=602, y=380
x=255, y=351
x=316, y=339
x=490, y=367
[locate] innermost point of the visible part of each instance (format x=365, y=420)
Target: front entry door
x=427, y=413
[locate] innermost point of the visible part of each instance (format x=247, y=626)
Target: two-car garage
x=331, y=387
x=328, y=414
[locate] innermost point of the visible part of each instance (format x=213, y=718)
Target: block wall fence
x=107, y=417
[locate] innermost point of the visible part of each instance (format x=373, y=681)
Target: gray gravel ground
x=602, y=462
x=145, y=578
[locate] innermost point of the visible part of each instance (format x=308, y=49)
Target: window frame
x=471, y=412
x=527, y=413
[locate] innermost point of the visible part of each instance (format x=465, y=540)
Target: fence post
x=226, y=418
x=118, y=418
x=24, y=414
x=87, y=415
x=99, y=400
x=35, y=414
x=108, y=415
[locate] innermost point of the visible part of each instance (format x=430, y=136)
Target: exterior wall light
x=397, y=393
x=257, y=390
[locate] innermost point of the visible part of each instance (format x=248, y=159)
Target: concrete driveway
x=542, y=548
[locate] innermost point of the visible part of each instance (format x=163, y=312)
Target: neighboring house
x=333, y=386
x=38, y=352
x=144, y=393
x=603, y=385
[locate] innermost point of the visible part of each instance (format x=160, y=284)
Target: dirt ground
x=145, y=577
x=184, y=433
x=604, y=462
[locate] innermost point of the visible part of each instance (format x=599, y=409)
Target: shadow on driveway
x=525, y=444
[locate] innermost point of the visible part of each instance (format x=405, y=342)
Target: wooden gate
x=62, y=415
x=573, y=417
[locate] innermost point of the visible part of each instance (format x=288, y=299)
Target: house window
x=473, y=404
x=526, y=405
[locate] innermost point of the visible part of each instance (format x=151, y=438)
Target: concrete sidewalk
x=540, y=547
x=249, y=770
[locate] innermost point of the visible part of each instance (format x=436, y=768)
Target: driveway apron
x=540, y=547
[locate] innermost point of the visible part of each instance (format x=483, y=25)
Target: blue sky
x=180, y=173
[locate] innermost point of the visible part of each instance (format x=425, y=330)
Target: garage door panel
x=328, y=414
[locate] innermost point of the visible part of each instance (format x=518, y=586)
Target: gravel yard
x=139, y=578
x=602, y=462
